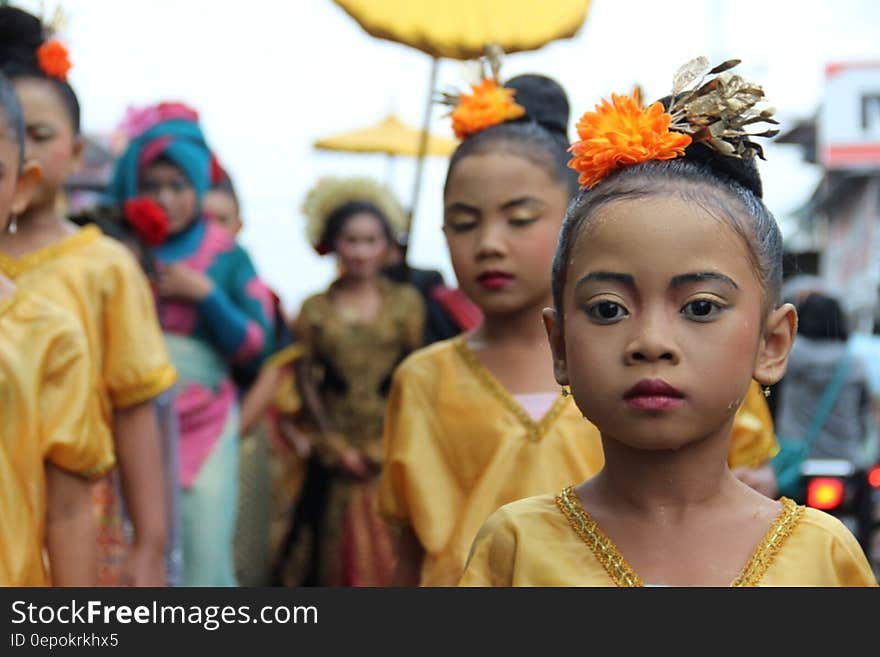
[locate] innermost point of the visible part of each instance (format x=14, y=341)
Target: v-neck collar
x=14, y=267
x=622, y=574
x=535, y=429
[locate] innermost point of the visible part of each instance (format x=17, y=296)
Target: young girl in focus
x=478, y=421
x=51, y=439
x=100, y=282
x=666, y=306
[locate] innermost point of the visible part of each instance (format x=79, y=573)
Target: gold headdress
x=489, y=102
x=714, y=112
x=330, y=193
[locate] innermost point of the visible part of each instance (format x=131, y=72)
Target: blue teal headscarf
x=180, y=140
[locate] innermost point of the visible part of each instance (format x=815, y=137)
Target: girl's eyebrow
x=696, y=277
x=462, y=207
x=677, y=281
x=607, y=276
x=523, y=200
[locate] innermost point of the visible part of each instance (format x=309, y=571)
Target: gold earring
x=566, y=392
x=766, y=391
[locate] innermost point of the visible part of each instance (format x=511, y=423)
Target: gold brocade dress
x=99, y=281
x=46, y=416
x=458, y=446
x=352, y=368
x=550, y=540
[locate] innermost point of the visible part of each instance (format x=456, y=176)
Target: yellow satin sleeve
x=100, y=282
x=136, y=364
x=48, y=415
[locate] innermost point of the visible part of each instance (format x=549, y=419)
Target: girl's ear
x=79, y=151
x=779, y=333
x=28, y=179
x=553, y=324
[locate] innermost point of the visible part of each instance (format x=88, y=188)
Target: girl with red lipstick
x=666, y=306
x=478, y=421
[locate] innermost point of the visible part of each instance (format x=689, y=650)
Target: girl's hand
x=353, y=462
x=144, y=566
x=178, y=281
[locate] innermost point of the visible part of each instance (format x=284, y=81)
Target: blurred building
x=839, y=226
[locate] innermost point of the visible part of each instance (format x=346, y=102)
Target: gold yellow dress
x=550, y=540
x=98, y=280
x=458, y=446
x=353, y=364
x=47, y=415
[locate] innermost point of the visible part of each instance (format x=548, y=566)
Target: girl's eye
x=520, y=222
x=39, y=134
x=607, y=312
x=461, y=226
x=701, y=310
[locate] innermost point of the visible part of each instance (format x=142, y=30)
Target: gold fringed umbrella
x=461, y=29
x=390, y=136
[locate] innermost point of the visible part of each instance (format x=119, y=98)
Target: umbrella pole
x=423, y=145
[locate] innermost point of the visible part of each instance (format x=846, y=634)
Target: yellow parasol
x=461, y=29
x=390, y=136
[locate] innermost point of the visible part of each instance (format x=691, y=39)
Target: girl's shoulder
x=40, y=321
x=431, y=363
x=822, y=524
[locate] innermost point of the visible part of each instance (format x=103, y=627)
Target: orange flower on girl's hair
x=489, y=104
x=53, y=59
x=623, y=133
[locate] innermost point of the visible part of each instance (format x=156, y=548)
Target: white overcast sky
x=270, y=76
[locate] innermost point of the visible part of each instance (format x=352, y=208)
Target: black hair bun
x=544, y=101
x=742, y=170
x=21, y=34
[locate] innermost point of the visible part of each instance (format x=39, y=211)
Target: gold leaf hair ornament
x=714, y=111
x=331, y=193
x=489, y=102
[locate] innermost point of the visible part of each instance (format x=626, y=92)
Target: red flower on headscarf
x=148, y=220
x=53, y=59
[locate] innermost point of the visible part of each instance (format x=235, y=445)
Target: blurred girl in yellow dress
x=666, y=307
x=101, y=283
x=51, y=439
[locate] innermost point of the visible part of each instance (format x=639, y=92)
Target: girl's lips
x=653, y=395
x=494, y=280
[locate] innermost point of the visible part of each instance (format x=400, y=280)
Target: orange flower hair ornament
x=488, y=104
x=715, y=112
x=53, y=59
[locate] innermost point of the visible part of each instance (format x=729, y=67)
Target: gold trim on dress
x=535, y=430
x=622, y=574
x=603, y=548
x=151, y=386
x=766, y=551
x=15, y=267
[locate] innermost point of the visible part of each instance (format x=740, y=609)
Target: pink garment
x=537, y=404
x=202, y=415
